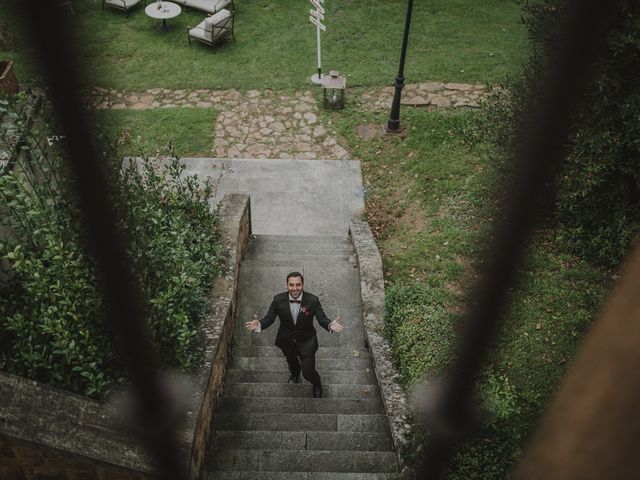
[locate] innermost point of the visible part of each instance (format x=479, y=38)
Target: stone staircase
x=268, y=429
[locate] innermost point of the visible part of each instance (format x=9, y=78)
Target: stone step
x=326, y=364
x=286, y=440
x=344, y=340
x=341, y=406
x=293, y=422
x=256, y=249
x=296, y=263
x=325, y=251
x=281, y=376
x=296, y=476
x=302, y=461
x=300, y=390
x=323, y=352
x=296, y=239
x=327, y=270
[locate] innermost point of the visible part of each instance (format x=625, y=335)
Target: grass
x=430, y=202
x=188, y=130
x=450, y=40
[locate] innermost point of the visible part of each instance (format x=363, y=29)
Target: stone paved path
x=268, y=124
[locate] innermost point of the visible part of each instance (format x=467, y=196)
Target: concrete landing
x=290, y=197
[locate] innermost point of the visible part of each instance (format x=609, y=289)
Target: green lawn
x=188, y=130
x=275, y=47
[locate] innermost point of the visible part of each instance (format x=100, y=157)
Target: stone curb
x=372, y=291
x=48, y=430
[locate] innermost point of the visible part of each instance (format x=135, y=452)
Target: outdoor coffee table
x=163, y=11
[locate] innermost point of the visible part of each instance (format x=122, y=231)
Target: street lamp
x=394, y=117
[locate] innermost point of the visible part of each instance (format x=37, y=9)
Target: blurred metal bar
x=538, y=150
x=57, y=56
x=591, y=429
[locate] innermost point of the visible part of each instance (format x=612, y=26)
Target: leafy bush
x=598, y=185
x=52, y=312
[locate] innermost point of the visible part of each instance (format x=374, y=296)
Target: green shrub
x=52, y=312
x=598, y=184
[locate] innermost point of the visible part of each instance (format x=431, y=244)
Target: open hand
x=254, y=324
x=335, y=327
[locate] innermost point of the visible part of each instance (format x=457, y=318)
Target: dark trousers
x=307, y=363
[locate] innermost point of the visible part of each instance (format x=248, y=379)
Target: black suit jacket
x=302, y=334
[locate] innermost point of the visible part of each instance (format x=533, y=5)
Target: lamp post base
x=316, y=78
x=398, y=131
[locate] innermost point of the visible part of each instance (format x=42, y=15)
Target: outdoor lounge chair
x=213, y=29
x=209, y=6
x=124, y=5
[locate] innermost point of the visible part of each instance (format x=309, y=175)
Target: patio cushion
x=216, y=19
x=209, y=6
x=199, y=33
x=122, y=4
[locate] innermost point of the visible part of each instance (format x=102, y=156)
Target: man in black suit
x=296, y=335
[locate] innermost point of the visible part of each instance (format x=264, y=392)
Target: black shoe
x=317, y=391
x=294, y=378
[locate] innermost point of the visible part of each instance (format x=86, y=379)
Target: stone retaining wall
x=372, y=291
x=48, y=433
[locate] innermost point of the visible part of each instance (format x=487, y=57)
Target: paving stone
x=319, y=131
x=430, y=86
x=440, y=101
x=414, y=101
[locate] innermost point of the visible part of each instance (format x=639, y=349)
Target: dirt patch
x=371, y=131
x=411, y=222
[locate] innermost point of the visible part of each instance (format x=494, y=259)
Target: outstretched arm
x=323, y=320
x=258, y=325
x=335, y=327
x=254, y=324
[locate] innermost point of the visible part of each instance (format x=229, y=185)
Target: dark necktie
x=295, y=301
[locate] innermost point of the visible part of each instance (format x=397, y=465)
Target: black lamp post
x=394, y=117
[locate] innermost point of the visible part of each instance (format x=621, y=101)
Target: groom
x=296, y=335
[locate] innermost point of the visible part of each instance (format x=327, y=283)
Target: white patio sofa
x=209, y=6
x=124, y=5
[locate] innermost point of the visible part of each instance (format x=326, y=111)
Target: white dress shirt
x=294, y=308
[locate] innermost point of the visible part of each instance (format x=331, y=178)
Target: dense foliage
x=52, y=312
x=598, y=186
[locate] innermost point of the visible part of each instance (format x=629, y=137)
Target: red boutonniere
x=305, y=310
